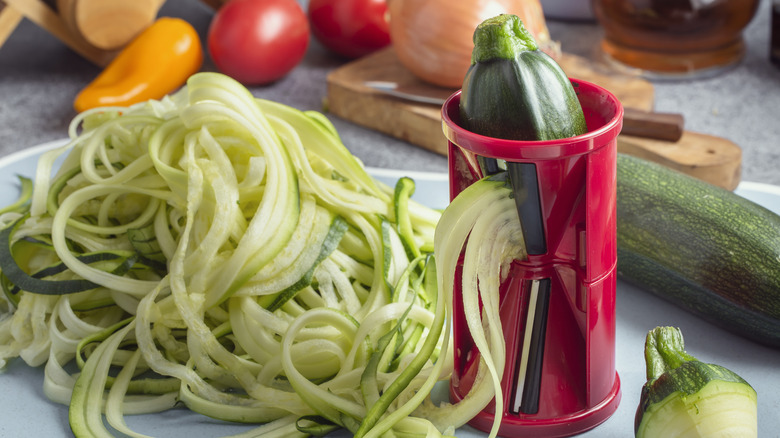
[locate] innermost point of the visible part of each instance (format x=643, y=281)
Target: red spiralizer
x=558, y=305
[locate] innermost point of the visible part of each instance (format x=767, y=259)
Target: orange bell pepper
x=155, y=63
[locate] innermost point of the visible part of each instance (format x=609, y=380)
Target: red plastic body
x=580, y=387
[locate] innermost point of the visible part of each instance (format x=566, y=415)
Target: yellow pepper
x=155, y=63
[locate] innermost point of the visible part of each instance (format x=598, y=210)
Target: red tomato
x=351, y=28
x=258, y=41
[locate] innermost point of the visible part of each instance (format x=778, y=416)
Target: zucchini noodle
x=231, y=256
x=482, y=224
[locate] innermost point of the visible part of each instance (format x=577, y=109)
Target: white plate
x=26, y=411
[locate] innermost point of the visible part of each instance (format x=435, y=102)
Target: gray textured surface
x=39, y=77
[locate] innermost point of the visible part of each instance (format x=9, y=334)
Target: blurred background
x=40, y=77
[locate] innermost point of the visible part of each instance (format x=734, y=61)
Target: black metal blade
x=533, y=378
x=488, y=166
x=525, y=185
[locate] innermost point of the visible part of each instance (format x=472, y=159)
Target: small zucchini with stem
x=515, y=91
x=686, y=398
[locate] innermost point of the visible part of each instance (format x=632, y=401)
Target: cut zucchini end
x=720, y=409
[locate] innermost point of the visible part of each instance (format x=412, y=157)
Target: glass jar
x=674, y=38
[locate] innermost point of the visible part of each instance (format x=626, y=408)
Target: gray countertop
x=40, y=76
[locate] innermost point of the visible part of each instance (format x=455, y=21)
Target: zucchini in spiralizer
x=515, y=91
x=686, y=398
x=705, y=249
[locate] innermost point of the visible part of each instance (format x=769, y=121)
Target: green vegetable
x=701, y=247
x=515, y=91
x=686, y=398
x=229, y=254
x=116, y=262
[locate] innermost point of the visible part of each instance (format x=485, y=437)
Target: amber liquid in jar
x=674, y=37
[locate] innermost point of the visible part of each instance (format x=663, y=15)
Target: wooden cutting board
x=710, y=158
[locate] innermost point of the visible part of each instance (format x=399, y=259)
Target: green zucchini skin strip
x=127, y=260
x=319, y=426
x=25, y=194
x=404, y=189
x=147, y=246
x=387, y=252
x=145, y=243
x=336, y=231
x=36, y=284
x=52, y=202
x=24, y=281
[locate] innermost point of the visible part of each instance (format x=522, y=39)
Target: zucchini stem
x=664, y=351
x=501, y=37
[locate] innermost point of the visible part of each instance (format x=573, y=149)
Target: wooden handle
x=108, y=25
x=660, y=126
x=40, y=13
x=9, y=19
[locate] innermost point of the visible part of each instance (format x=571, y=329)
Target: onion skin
x=433, y=38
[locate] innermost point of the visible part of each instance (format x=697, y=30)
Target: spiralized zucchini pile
x=227, y=253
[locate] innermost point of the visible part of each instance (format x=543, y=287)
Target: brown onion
x=433, y=38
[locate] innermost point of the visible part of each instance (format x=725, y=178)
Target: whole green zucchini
x=701, y=247
x=686, y=398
